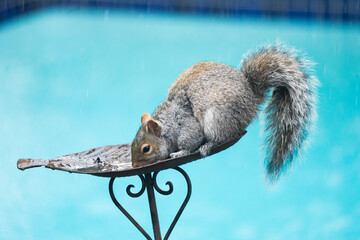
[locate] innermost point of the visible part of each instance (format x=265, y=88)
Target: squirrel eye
x=146, y=148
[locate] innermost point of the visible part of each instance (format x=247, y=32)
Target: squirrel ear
x=154, y=126
x=145, y=117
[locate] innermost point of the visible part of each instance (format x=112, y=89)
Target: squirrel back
x=212, y=103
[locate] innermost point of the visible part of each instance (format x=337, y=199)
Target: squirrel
x=212, y=103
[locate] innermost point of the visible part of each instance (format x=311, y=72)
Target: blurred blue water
x=73, y=79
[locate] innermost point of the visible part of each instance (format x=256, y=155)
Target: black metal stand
x=100, y=162
x=149, y=183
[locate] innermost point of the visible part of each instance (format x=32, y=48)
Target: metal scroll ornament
x=149, y=183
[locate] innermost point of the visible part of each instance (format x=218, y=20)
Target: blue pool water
x=73, y=79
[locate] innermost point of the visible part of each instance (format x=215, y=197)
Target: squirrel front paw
x=179, y=153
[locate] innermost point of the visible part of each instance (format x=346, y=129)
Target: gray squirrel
x=211, y=103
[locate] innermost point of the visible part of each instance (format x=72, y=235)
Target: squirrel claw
x=179, y=154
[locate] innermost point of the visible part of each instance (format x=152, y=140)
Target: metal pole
x=152, y=203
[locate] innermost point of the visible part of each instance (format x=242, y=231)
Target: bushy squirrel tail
x=291, y=111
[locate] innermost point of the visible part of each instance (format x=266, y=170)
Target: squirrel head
x=148, y=144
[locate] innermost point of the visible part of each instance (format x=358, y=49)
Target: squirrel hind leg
x=220, y=126
x=206, y=148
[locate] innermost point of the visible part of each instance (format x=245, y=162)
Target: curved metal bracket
x=149, y=183
x=122, y=209
x=183, y=205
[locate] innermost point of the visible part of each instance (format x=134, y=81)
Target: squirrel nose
x=135, y=165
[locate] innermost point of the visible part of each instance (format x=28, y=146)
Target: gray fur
x=291, y=111
x=212, y=103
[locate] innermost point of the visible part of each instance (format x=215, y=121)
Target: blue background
x=72, y=79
